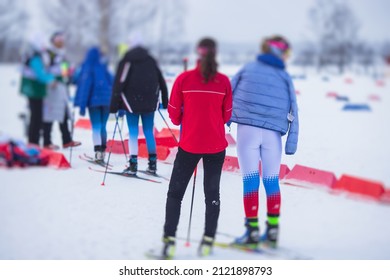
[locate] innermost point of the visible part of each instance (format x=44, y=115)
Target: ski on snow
x=124, y=175
x=154, y=175
x=263, y=249
x=92, y=160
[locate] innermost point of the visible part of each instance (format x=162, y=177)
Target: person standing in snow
x=34, y=85
x=94, y=86
x=201, y=102
x=265, y=109
x=137, y=85
x=55, y=104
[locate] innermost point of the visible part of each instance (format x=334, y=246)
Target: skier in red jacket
x=201, y=102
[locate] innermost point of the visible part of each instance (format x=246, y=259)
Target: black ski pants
x=35, y=124
x=184, y=166
x=65, y=133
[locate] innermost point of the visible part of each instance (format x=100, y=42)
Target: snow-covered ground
x=66, y=214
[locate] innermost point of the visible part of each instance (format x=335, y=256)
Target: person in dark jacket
x=94, y=87
x=264, y=108
x=137, y=85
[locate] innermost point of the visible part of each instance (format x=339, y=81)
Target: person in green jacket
x=35, y=80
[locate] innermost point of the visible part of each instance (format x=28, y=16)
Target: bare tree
x=171, y=46
x=13, y=20
x=99, y=22
x=336, y=28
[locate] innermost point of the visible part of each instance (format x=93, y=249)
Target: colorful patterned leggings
x=256, y=144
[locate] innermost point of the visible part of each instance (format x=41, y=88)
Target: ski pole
x=109, y=154
x=123, y=142
x=192, y=206
x=166, y=123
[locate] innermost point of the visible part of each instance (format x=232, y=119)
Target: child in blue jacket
x=94, y=86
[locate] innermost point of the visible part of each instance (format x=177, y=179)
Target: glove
x=121, y=113
x=229, y=123
x=161, y=106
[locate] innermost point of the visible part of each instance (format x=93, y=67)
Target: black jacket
x=140, y=80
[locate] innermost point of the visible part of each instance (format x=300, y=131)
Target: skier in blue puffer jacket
x=94, y=86
x=265, y=109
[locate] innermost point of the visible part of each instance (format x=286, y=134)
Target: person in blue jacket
x=265, y=109
x=94, y=86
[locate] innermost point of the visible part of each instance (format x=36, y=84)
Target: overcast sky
x=250, y=20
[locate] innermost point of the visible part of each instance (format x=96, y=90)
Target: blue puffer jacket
x=94, y=84
x=264, y=96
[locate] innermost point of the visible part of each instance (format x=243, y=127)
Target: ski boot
x=99, y=157
x=168, y=250
x=152, y=165
x=270, y=237
x=251, y=237
x=133, y=168
x=205, y=246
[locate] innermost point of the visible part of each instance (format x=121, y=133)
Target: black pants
x=183, y=169
x=35, y=125
x=47, y=126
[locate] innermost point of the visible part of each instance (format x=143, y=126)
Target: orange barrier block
x=83, y=123
x=310, y=177
x=231, y=164
x=360, y=186
x=56, y=159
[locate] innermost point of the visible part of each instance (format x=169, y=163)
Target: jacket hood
x=137, y=53
x=93, y=56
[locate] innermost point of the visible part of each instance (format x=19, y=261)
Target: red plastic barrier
x=165, y=137
x=231, y=164
x=116, y=147
x=332, y=94
x=56, y=159
x=310, y=177
x=162, y=151
x=348, y=81
x=374, y=97
x=360, y=186
x=83, y=123
x=385, y=197
x=284, y=170
x=230, y=139
x=380, y=83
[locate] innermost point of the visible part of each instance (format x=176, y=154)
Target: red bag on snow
x=13, y=153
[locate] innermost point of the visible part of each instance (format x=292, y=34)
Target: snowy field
x=66, y=214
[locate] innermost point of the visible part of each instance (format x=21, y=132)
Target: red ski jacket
x=202, y=109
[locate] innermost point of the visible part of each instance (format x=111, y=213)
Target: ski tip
x=187, y=244
x=102, y=184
